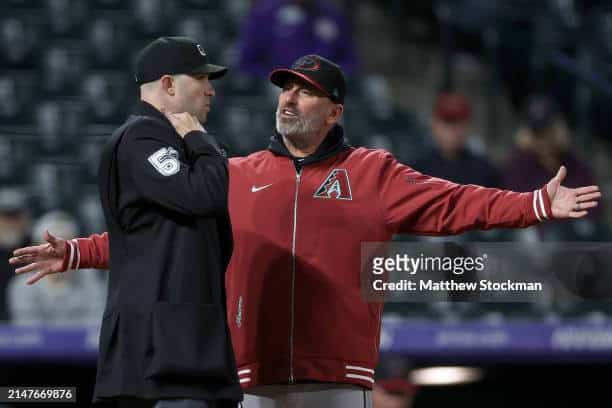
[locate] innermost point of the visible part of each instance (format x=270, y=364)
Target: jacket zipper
x=298, y=177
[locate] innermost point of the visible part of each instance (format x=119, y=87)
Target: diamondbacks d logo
x=309, y=62
x=336, y=185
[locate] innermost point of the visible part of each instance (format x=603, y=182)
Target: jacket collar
x=143, y=108
x=333, y=144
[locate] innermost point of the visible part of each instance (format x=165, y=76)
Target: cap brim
x=279, y=76
x=213, y=71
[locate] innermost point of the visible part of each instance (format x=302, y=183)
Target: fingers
x=588, y=197
x=587, y=205
x=31, y=250
x=28, y=268
x=577, y=214
x=581, y=209
x=21, y=259
x=586, y=190
x=38, y=276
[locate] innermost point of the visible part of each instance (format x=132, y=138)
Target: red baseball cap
x=452, y=107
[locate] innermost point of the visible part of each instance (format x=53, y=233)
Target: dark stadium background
x=62, y=59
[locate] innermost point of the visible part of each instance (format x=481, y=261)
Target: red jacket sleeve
x=90, y=252
x=416, y=203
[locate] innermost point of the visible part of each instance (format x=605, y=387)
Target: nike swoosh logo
x=256, y=189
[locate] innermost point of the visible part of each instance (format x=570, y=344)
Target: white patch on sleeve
x=165, y=161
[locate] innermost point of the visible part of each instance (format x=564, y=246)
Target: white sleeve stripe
x=245, y=371
x=71, y=255
x=358, y=368
x=244, y=380
x=361, y=377
x=535, y=207
x=541, y=201
x=78, y=253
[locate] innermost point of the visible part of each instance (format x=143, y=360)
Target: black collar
x=333, y=144
x=143, y=108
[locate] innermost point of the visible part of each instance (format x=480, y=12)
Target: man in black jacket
x=163, y=183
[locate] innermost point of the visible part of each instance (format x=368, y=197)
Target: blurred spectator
x=451, y=157
x=8, y=162
x=103, y=100
x=393, y=393
x=61, y=70
x=107, y=39
x=210, y=29
x=107, y=4
x=193, y=27
x=49, y=126
x=245, y=116
x=277, y=32
x=386, y=125
x=454, y=155
x=54, y=182
x=206, y=4
x=66, y=298
x=89, y=152
x=65, y=17
x=16, y=44
x=152, y=17
x=44, y=180
x=598, y=60
x=12, y=111
x=91, y=213
x=542, y=146
x=14, y=232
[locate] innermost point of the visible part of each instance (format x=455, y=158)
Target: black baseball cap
x=174, y=55
x=318, y=71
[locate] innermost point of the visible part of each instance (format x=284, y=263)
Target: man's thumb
x=49, y=237
x=561, y=174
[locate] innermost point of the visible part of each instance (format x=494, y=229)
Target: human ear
x=335, y=113
x=168, y=84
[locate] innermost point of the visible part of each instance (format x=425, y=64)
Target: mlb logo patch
x=336, y=185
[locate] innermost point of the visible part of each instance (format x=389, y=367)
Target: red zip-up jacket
x=295, y=306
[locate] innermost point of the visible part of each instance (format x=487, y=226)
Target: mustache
x=291, y=108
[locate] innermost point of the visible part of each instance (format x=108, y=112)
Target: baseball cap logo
x=309, y=62
x=201, y=50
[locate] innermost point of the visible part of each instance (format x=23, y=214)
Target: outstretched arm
x=60, y=255
x=416, y=203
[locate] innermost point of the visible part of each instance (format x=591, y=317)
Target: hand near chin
x=184, y=122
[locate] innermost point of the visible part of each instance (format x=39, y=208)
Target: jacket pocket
x=190, y=342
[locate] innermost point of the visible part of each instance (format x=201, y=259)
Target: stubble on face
x=300, y=129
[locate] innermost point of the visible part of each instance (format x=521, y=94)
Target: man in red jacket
x=301, y=330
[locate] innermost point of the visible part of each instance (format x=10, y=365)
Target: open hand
x=570, y=202
x=45, y=259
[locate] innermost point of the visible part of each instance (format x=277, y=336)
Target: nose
x=290, y=96
x=210, y=89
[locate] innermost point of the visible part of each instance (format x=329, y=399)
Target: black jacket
x=164, y=332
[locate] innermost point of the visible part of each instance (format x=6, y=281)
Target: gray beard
x=300, y=130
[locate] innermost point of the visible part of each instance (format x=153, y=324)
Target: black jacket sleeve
x=161, y=174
